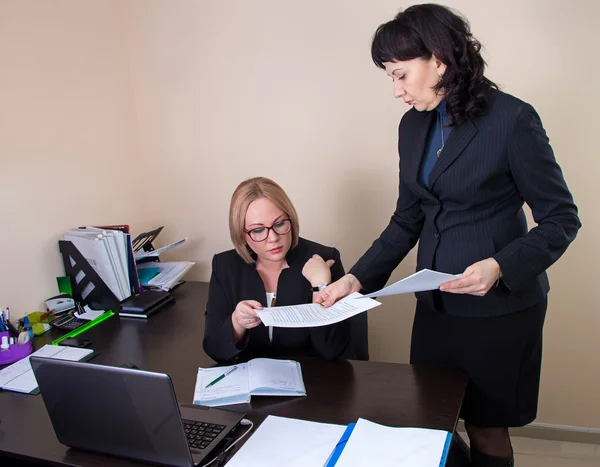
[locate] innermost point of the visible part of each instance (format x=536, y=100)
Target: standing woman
x=470, y=157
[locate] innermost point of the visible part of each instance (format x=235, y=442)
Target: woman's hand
x=339, y=289
x=244, y=317
x=477, y=279
x=317, y=271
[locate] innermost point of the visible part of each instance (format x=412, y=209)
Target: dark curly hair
x=429, y=29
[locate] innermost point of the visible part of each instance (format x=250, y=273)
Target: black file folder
x=143, y=305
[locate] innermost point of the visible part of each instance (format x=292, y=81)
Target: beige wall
x=194, y=96
x=67, y=136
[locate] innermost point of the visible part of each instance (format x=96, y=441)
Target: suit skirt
x=502, y=356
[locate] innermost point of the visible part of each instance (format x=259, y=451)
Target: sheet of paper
x=420, y=281
x=288, y=442
x=373, y=444
x=312, y=314
x=232, y=389
x=89, y=314
x=269, y=376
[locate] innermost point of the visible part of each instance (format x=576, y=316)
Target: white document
x=19, y=376
x=289, y=442
x=259, y=377
x=148, y=254
x=89, y=314
x=420, y=281
x=313, y=315
x=373, y=444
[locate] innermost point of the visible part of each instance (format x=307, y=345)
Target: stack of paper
x=161, y=275
x=107, y=252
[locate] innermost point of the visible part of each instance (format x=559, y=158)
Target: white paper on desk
x=288, y=442
x=373, y=444
x=420, y=281
x=313, y=315
x=89, y=314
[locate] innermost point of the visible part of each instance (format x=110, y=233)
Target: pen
x=215, y=381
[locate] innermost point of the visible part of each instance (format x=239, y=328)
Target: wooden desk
x=171, y=342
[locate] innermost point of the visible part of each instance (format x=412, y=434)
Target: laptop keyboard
x=200, y=434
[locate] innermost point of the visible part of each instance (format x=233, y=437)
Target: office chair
x=358, y=349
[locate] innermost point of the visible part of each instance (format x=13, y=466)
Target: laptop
x=129, y=413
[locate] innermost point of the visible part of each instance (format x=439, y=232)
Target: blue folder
x=339, y=447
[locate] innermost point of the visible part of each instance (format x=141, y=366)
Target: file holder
x=88, y=288
x=144, y=242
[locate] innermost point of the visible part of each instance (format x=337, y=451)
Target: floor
x=531, y=452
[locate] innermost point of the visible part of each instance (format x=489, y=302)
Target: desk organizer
x=15, y=352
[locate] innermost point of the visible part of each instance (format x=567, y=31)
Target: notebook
x=19, y=376
x=143, y=305
x=258, y=377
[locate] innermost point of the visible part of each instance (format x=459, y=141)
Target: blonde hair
x=247, y=192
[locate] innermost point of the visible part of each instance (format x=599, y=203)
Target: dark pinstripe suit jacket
x=473, y=208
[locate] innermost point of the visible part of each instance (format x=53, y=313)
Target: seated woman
x=270, y=263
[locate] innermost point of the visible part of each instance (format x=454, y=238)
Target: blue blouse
x=434, y=142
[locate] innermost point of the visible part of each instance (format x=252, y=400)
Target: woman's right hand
x=244, y=317
x=338, y=290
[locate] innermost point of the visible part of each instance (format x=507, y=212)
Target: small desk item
x=288, y=442
x=374, y=444
x=143, y=305
x=19, y=377
x=14, y=352
x=258, y=377
x=68, y=322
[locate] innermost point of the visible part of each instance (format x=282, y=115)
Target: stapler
x=60, y=304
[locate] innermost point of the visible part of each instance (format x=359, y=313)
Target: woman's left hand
x=477, y=279
x=316, y=270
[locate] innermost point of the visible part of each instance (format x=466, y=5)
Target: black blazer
x=473, y=208
x=233, y=280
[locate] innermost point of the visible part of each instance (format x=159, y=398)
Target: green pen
x=215, y=381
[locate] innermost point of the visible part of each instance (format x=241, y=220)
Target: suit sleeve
x=218, y=331
x=374, y=268
x=540, y=181
x=331, y=341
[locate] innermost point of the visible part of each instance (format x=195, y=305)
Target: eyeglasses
x=260, y=234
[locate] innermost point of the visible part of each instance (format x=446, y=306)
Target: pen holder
x=15, y=352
